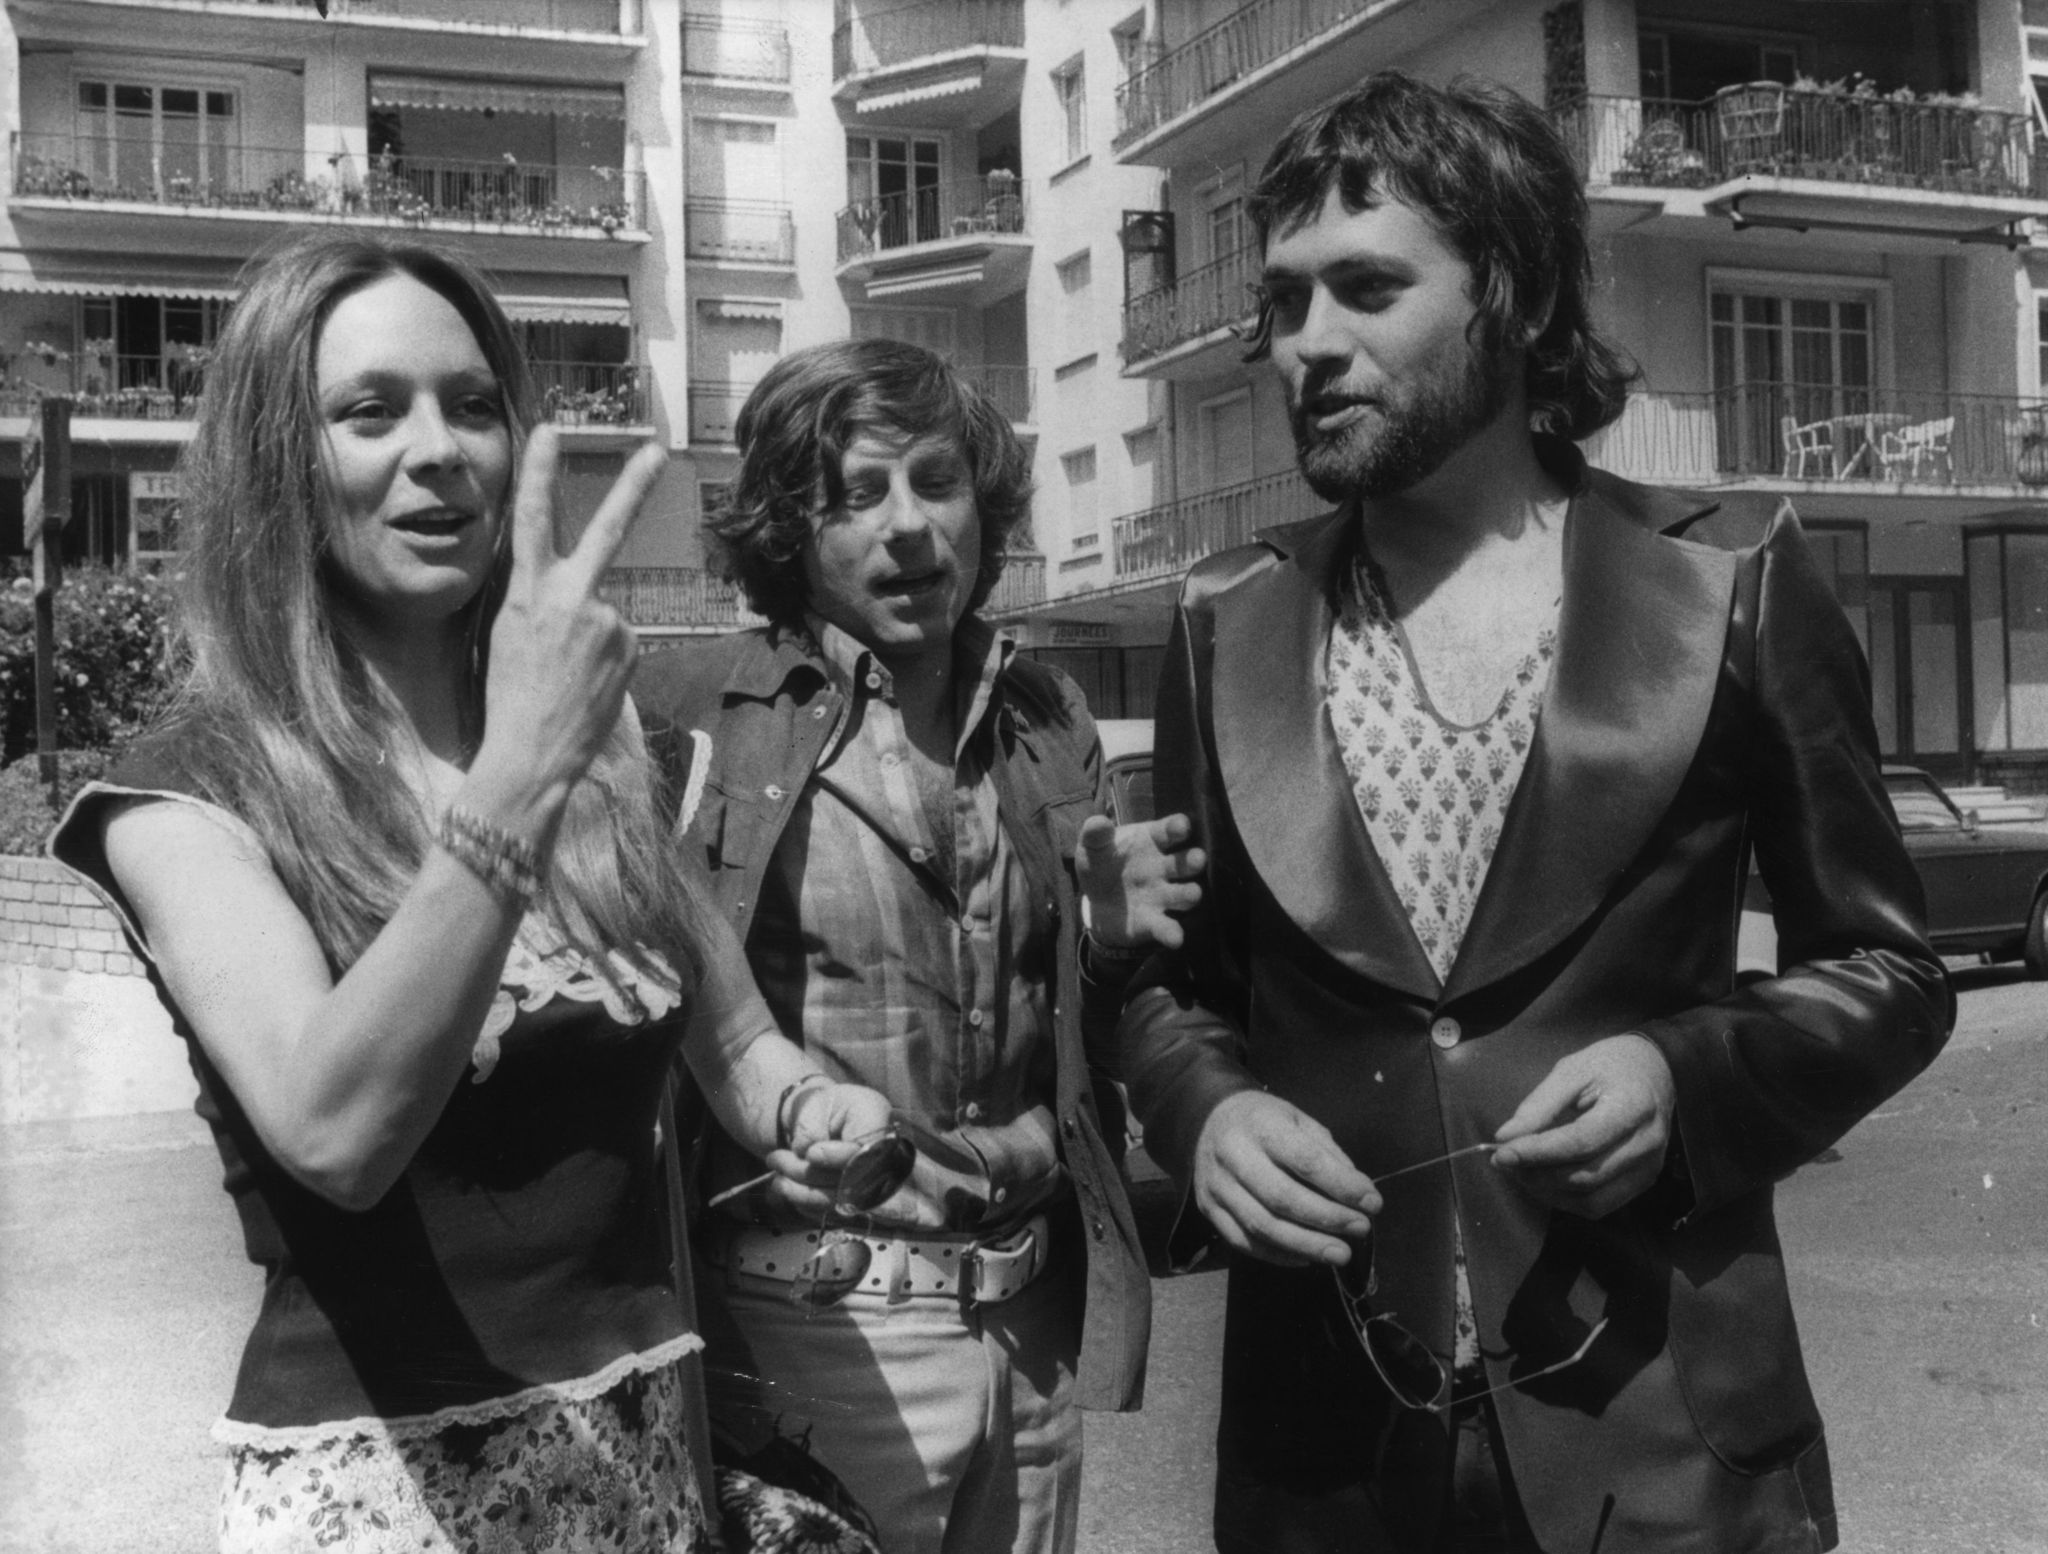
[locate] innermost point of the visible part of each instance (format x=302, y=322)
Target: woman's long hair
x=280, y=721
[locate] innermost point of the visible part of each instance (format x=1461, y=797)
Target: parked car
x=1986, y=886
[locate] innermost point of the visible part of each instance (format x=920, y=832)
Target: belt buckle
x=970, y=1273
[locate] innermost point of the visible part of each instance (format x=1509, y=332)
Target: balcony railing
x=163, y=386
x=1012, y=389
x=1216, y=295
x=601, y=16
x=902, y=36
x=675, y=596
x=1021, y=585
x=1250, y=37
x=735, y=49
x=715, y=409
x=436, y=191
x=1165, y=541
x=1785, y=132
x=967, y=207
x=590, y=393
x=1830, y=435
x=740, y=231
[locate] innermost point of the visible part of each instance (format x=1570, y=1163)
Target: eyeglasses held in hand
x=1411, y=1370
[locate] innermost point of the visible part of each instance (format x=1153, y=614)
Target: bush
x=112, y=668
x=26, y=813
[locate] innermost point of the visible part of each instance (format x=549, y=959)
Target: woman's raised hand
x=561, y=657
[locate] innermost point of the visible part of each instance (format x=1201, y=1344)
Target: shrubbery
x=113, y=676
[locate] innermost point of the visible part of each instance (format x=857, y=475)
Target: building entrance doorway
x=1919, y=684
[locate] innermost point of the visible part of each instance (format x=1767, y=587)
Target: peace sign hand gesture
x=561, y=658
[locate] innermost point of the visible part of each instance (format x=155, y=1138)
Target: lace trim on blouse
x=406, y=1427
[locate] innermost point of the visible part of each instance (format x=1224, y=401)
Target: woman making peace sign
x=397, y=872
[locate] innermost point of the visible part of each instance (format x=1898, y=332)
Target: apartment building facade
x=156, y=145
x=1816, y=231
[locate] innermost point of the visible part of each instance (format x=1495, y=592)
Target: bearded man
x=1453, y=1054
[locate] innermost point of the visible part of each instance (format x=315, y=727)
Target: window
x=1791, y=372
x=171, y=141
x=2041, y=342
x=1079, y=469
x=893, y=181
x=1229, y=230
x=1692, y=66
x=1129, y=39
x=1070, y=86
x=1076, y=274
x=931, y=328
x=2008, y=580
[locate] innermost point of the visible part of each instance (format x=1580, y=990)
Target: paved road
x=1919, y=1263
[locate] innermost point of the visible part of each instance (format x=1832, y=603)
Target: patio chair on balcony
x=1917, y=451
x=1751, y=121
x=1809, y=448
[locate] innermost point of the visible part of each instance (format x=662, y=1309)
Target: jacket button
x=1070, y=1127
x=774, y=793
x=1446, y=1033
x=1100, y=1230
x=817, y=712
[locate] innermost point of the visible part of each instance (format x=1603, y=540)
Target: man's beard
x=1394, y=445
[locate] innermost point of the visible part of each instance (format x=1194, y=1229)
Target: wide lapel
x=1641, y=633
x=1283, y=774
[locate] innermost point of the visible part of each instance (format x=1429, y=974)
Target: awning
x=464, y=96
x=900, y=282
x=769, y=308
x=923, y=91
x=565, y=299
x=114, y=275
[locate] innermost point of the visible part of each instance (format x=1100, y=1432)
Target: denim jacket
x=762, y=705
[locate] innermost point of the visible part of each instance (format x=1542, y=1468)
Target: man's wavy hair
x=1496, y=178
x=793, y=433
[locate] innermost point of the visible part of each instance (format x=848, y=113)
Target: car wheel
x=2036, y=948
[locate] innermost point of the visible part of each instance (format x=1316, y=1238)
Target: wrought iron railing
x=675, y=596
x=750, y=231
x=1012, y=389
x=715, y=409
x=438, y=191
x=1787, y=132
x=159, y=386
x=1252, y=36
x=1165, y=541
x=967, y=207
x=1212, y=297
x=1021, y=585
x=1827, y=434
x=905, y=34
x=591, y=393
x=734, y=48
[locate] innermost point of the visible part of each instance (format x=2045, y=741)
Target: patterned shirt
x=897, y=938
x=1433, y=793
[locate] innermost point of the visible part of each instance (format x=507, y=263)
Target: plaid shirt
x=898, y=939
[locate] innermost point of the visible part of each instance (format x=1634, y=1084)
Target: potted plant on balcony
x=2030, y=446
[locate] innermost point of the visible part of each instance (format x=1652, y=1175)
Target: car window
x=1130, y=792
x=1920, y=806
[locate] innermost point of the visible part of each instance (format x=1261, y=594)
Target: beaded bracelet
x=509, y=864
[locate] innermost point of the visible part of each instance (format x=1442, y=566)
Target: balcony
x=1162, y=542
x=1769, y=155
x=1021, y=586
x=1189, y=329
x=149, y=398
x=740, y=232
x=1166, y=111
x=592, y=400
x=676, y=599
x=1803, y=438
x=727, y=49
x=600, y=17
x=67, y=173
x=943, y=63
x=972, y=233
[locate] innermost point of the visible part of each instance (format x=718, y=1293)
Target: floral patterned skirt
x=561, y=1475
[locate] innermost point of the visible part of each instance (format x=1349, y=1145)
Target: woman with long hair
x=398, y=871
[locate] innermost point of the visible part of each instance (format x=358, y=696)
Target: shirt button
x=1446, y=1033
x=1002, y=1193
x=890, y=760
x=918, y=855
x=967, y=926
x=971, y=1111
x=874, y=681
x=774, y=793
x=974, y=1018
x=817, y=712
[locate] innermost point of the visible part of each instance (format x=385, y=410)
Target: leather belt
x=981, y=1272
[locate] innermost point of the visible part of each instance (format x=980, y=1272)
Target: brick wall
x=48, y=919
